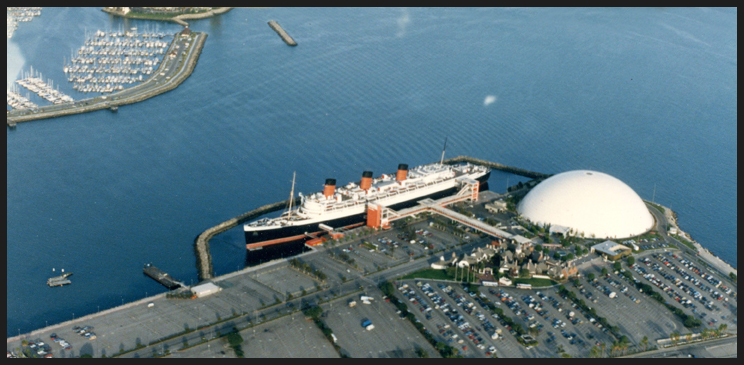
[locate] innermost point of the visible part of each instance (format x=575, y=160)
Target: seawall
x=497, y=166
x=201, y=244
x=279, y=30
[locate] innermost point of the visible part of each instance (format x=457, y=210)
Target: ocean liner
x=347, y=205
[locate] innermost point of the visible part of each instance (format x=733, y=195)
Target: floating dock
x=278, y=29
x=59, y=280
x=162, y=277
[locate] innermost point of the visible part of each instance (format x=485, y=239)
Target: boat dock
x=285, y=37
x=59, y=280
x=162, y=277
x=176, y=67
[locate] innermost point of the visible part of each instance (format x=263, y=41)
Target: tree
x=644, y=342
x=421, y=353
x=556, y=256
x=631, y=261
x=590, y=277
x=604, y=271
x=674, y=337
x=723, y=327
x=617, y=266
x=539, y=248
x=570, y=257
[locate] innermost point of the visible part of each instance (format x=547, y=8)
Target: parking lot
x=285, y=280
x=391, y=336
x=688, y=287
x=290, y=336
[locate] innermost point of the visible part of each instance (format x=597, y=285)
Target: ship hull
x=295, y=233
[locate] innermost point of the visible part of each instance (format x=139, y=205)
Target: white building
x=588, y=202
x=205, y=289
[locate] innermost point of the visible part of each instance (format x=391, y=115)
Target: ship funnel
x=366, y=180
x=402, y=172
x=330, y=188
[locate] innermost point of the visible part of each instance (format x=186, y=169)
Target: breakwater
x=201, y=244
x=185, y=50
x=497, y=166
x=285, y=37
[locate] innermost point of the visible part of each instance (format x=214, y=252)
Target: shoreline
x=179, y=19
x=714, y=261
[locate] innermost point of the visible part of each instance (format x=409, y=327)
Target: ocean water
x=646, y=95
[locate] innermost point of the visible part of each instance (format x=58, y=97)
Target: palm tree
x=674, y=337
x=705, y=333
x=689, y=337
x=644, y=342
x=723, y=327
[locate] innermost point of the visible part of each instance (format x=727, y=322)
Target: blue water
x=646, y=95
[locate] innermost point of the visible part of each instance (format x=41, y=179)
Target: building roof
x=205, y=289
x=591, y=202
x=610, y=248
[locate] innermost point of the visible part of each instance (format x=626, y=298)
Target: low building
x=496, y=206
x=205, y=289
x=611, y=250
x=558, y=229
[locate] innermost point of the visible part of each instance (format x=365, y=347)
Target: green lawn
x=448, y=274
x=684, y=242
x=535, y=282
x=657, y=206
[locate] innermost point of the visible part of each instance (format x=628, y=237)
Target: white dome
x=587, y=201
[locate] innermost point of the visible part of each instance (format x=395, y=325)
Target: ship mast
x=291, y=195
x=443, y=149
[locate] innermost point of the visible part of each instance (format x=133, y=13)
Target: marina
x=45, y=89
x=17, y=15
x=111, y=61
x=183, y=54
x=16, y=101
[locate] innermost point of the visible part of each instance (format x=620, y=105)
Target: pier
x=285, y=37
x=59, y=280
x=185, y=48
x=162, y=277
